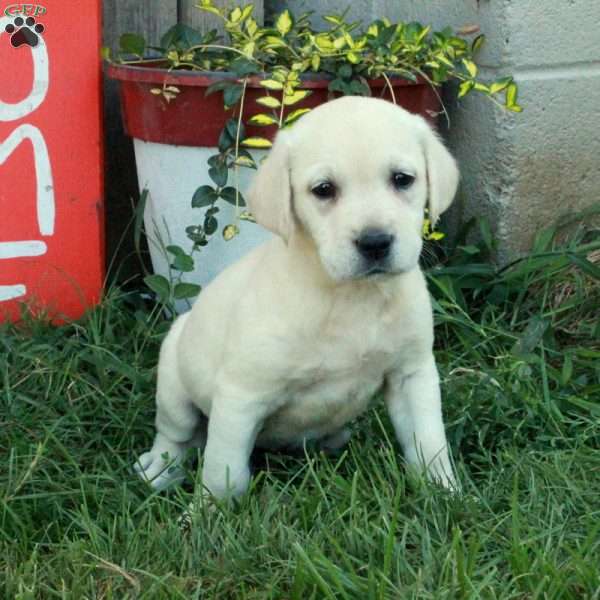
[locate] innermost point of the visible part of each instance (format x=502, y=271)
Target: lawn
x=519, y=355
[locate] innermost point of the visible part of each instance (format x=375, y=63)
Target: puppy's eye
x=402, y=181
x=324, y=190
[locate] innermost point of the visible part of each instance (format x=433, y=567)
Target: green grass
x=519, y=354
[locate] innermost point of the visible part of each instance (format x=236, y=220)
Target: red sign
x=51, y=205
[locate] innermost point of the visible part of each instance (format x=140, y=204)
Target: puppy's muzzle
x=374, y=245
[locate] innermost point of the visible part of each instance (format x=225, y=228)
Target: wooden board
x=150, y=18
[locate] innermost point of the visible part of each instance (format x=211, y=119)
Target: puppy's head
x=355, y=175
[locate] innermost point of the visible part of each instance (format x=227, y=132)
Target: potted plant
x=203, y=111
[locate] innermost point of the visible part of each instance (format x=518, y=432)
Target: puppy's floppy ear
x=442, y=173
x=269, y=197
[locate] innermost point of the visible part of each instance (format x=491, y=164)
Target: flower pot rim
x=194, y=119
x=153, y=71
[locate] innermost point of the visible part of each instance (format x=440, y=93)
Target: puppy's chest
x=330, y=386
x=336, y=397
x=312, y=409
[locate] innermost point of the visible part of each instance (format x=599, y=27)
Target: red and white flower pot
x=173, y=141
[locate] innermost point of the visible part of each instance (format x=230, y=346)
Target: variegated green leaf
x=256, y=142
x=339, y=43
x=293, y=77
x=244, y=161
x=500, y=85
x=284, y=22
x=262, y=120
x=471, y=67
x=333, y=19
x=280, y=75
x=295, y=97
x=211, y=9
x=295, y=115
x=353, y=57
x=477, y=43
x=230, y=231
x=511, y=95
x=251, y=26
x=464, y=88
x=423, y=34
x=436, y=236
x=271, y=84
x=248, y=49
x=373, y=30
x=299, y=66
x=360, y=43
x=268, y=101
x=247, y=11
x=443, y=59
x=324, y=42
x=275, y=42
x=428, y=233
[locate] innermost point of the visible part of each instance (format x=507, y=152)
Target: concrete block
x=524, y=172
x=551, y=33
x=555, y=147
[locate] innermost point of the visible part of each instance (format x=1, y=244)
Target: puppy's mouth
x=374, y=271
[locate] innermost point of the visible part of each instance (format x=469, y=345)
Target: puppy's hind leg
x=179, y=424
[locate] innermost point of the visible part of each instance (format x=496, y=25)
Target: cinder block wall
x=529, y=170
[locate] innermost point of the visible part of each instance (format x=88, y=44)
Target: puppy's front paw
x=159, y=470
x=442, y=473
x=161, y=466
x=439, y=474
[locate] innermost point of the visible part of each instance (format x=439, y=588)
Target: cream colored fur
x=292, y=342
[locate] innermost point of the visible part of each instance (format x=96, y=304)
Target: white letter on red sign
x=43, y=172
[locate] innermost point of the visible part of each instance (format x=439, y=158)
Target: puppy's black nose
x=374, y=244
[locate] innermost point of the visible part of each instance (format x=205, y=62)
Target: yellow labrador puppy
x=291, y=343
